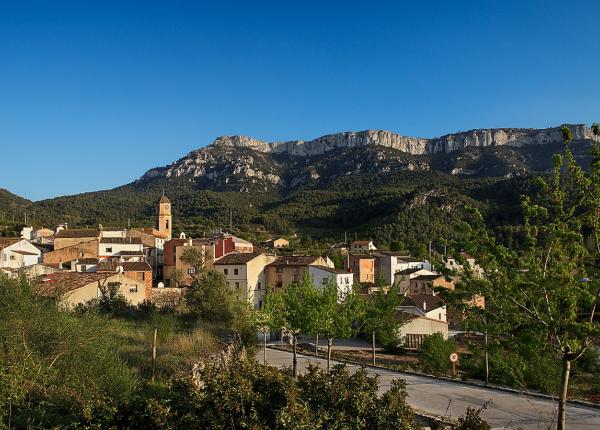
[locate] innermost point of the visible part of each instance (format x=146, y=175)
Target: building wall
x=106, y=250
x=250, y=278
x=146, y=278
x=14, y=260
x=428, y=287
x=285, y=275
x=93, y=291
x=425, y=326
x=363, y=268
x=64, y=242
x=70, y=253
x=343, y=281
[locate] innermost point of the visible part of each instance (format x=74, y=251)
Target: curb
x=577, y=402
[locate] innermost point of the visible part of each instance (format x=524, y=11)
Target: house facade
x=362, y=266
x=322, y=275
x=390, y=263
x=362, y=246
x=17, y=253
x=245, y=273
x=286, y=270
x=70, y=289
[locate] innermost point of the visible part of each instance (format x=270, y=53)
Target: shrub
x=435, y=354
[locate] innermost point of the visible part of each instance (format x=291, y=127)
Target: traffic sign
x=454, y=357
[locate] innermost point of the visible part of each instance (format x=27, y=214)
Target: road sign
x=454, y=357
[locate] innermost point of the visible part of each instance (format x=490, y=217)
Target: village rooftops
x=7, y=241
x=294, y=260
x=91, y=260
x=150, y=231
x=331, y=270
x=236, y=259
x=363, y=256
x=426, y=278
x=62, y=282
x=410, y=271
x=362, y=242
x=77, y=232
x=122, y=240
x=131, y=253
x=128, y=266
x=424, y=302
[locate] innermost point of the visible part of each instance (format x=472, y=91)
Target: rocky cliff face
x=243, y=163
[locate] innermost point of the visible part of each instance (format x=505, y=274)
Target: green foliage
x=247, y=395
x=380, y=312
x=472, y=420
x=53, y=362
x=435, y=354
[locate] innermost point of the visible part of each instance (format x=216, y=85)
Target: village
x=147, y=265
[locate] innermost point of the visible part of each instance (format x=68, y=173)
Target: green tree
x=435, y=353
x=197, y=259
x=290, y=310
x=335, y=316
x=550, y=289
x=380, y=315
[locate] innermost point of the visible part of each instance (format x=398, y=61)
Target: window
x=108, y=249
x=167, y=224
x=440, y=317
x=324, y=281
x=191, y=270
x=347, y=281
x=235, y=271
x=83, y=267
x=143, y=276
x=12, y=257
x=279, y=269
x=258, y=286
x=226, y=271
x=260, y=304
x=133, y=289
x=237, y=285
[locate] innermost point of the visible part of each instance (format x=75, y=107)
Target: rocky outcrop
x=244, y=164
x=412, y=145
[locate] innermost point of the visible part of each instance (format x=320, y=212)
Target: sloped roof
x=362, y=242
x=61, y=282
x=128, y=266
x=7, y=241
x=430, y=301
x=294, y=260
x=409, y=271
x=164, y=199
x=331, y=269
x=121, y=240
x=233, y=259
x=77, y=232
x=426, y=278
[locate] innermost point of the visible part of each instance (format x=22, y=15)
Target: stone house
x=289, y=269
x=363, y=267
x=362, y=246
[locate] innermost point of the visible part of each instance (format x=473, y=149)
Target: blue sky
x=92, y=94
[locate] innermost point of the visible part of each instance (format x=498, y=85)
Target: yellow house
x=246, y=273
x=73, y=288
x=278, y=243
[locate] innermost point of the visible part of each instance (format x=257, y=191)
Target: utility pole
x=487, y=362
x=230, y=219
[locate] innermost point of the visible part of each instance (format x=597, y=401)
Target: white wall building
x=115, y=246
x=321, y=275
x=362, y=246
x=16, y=253
x=390, y=263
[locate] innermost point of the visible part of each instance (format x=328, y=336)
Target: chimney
x=190, y=241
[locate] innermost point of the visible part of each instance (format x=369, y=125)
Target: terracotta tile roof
x=128, y=266
x=88, y=261
x=363, y=256
x=426, y=278
x=131, y=253
x=77, y=232
x=409, y=271
x=150, y=231
x=424, y=302
x=295, y=260
x=61, y=282
x=331, y=269
x=121, y=240
x=232, y=259
x=362, y=242
x=7, y=241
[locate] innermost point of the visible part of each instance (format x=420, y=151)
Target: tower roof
x=164, y=199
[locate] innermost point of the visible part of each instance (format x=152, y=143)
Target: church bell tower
x=164, y=220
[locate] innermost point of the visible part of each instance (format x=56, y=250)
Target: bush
x=435, y=354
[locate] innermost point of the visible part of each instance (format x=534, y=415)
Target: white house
x=27, y=233
x=390, y=263
x=117, y=246
x=452, y=263
x=403, y=277
x=17, y=253
x=321, y=275
x=425, y=305
x=245, y=273
x=362, y=246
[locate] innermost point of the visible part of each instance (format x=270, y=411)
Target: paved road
x=431, y=395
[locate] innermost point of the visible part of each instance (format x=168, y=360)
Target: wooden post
x=264, y=347
x=453, y=369
x=329, y=348
x=154, y=352
x=294, y=358
x=317, y=346
x=373, y=347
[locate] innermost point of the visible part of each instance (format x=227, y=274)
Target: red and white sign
x=454, y=357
